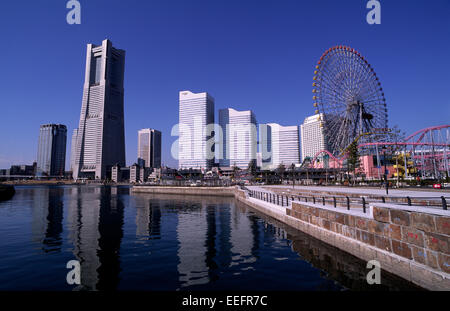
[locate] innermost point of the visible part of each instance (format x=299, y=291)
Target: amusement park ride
x=350, y=103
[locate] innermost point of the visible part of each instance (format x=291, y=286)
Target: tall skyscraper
x=73, y=148
x=51, y=156
x=196, y=130
x=285, y=145
x=149, y=148
x=239, y=138
x=312, y=136
x=101, y=138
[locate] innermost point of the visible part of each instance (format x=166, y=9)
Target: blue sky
x=248, y=54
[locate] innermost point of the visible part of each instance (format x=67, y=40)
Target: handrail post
x=383, y=199
x=348, y=203
x=323, y=200
x=334, y=202
x=364, y=204
x=314, y=200
x=409, y=201
x=444, y=203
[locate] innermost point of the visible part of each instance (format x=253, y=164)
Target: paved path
x=373, y=191
x=267, y=204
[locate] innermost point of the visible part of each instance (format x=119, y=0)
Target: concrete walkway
x=370, y=191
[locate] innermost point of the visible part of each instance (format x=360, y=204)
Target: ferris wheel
x=348, y=97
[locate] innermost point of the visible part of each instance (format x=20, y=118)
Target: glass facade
x=51, y=157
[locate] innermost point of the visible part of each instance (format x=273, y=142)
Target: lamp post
x=385, y=170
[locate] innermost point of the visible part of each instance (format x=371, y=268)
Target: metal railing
x=341, y=201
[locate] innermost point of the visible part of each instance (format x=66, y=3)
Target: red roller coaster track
x=429, y=148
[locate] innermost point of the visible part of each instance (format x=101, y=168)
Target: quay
x=409, y=240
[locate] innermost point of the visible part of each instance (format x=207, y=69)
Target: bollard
x=364, y=204
x=348, y=203
x=409, y=201
x=334, y=202
x=444, y=203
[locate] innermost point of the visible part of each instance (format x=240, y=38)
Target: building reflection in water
x=242, y=239
x=192, y=234
x=96, y=225
x=47, y=218
x=148, y=220
x=205, y=244
x=212, y=238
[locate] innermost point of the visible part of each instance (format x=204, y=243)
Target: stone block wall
x=421, y=235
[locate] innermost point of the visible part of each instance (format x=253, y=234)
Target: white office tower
x=73, y=148
x=312, y=136
x=285, y=145
x=238, y=145
x=196, y=131
x=149, y=148
x=101, y=137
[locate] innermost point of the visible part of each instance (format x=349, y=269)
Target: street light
x=385, y=170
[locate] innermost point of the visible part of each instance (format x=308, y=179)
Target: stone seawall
x=210, y=191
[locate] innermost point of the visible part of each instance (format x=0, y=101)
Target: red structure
x=425, y=152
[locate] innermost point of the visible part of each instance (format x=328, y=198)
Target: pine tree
x=353, y=159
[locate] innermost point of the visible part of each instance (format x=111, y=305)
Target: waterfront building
x=238, y=144
x=196, y=130
x=144, y=172
x=285, y=145
x=100, y=142
x=20, y=170
x=115, y=173
x=149, y=148
x=51, y=155
x=135, y=171
x=312, y=136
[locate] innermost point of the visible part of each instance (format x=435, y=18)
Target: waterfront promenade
x=403, y=192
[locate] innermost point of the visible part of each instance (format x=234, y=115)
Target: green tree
x=280, y=170
x=235, y=170
x=293, y=174
x=252, y=168
x=353, y=159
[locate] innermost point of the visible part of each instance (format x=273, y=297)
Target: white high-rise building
x=101, y=133
x=196, y=131
x=285, y=145
x=312, y=136
x=239, y=138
